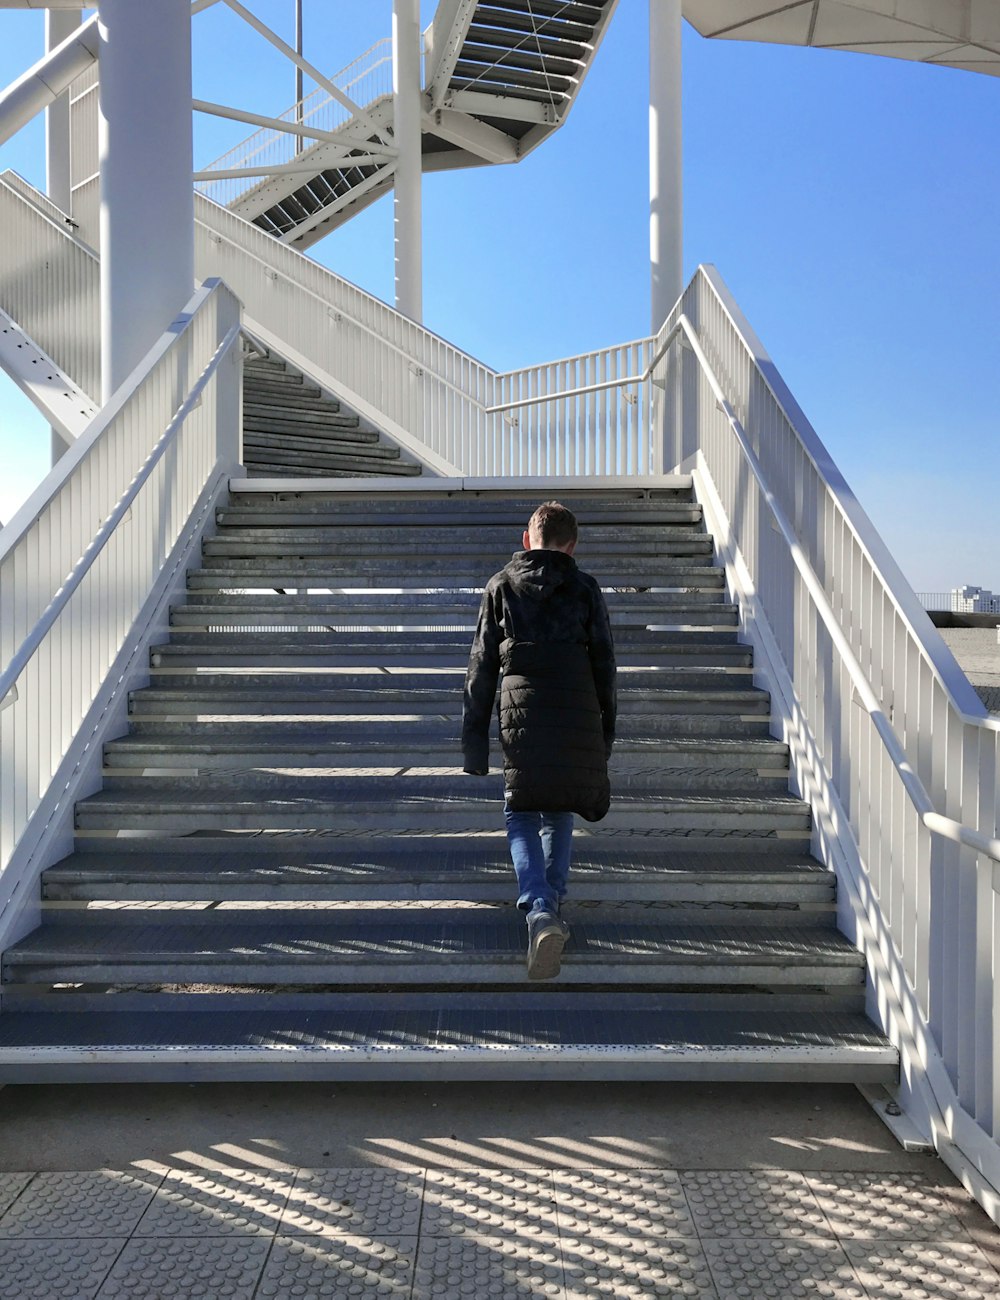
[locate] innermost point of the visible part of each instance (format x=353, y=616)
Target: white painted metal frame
x=42, y=262
x=366, y=80
x=590, y=414
x=119, y=515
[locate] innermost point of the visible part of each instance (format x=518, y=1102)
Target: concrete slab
x=568, y=1190
x=585, y=1125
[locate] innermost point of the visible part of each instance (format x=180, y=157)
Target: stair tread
x=445, y=1030
x=389, y=938
x=318, y=740
x=450, y=859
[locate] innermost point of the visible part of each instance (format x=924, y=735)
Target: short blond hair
x=553, y=524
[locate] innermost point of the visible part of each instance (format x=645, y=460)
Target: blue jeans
x=540, y=847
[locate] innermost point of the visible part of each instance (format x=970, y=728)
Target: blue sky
x=851, y=203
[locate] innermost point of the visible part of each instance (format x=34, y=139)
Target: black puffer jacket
x=544, y=624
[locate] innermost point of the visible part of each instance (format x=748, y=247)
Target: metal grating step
x=441, y=868
x=446, y=948
x=467, y=1041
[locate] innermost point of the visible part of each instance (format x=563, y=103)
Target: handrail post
x=409, y=167
x=665, y=159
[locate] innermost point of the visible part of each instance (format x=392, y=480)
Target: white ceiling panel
x=785, y=28
x=953, y=33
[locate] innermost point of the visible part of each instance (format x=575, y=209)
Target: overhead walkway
x=500, y=77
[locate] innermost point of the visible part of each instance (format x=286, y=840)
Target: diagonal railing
x=890, y=743
x=589, y=414
x=367, y=79
x=81, y=558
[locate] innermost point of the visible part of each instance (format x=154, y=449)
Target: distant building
x=974, y=600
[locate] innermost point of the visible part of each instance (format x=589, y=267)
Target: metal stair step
x=358, y=805
x=394, y=744
x=309, y=431
x=354, y=728
x=301, y=616
x=627, y=606
x=406, y=1037
x=272, y=379
x=180, y=695
x=320, y=574
x=296, y=511
x=400, y=548
x=291, y=470
x=445, y=867
x=446, y=947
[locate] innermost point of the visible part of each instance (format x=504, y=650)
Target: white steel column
x=59, y=23
x=665, y=158
x=406, y=91
x=147, y=196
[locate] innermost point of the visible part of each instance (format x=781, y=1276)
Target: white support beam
x=64, y=404
x=357, y=112
x=147, y=200
x=341, y=136
x=446, y=37
x=46, y=80
x=666, y=253
x=476, y=137
x=294, y=169
x=407, y=117
x=505, y=106
x=60, y=25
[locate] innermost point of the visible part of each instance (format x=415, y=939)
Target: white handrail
x=23, y=655
x=796, y=420
x=623, y=382
x=935, y=822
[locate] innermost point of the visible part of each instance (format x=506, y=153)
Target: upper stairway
x=292, y=428
x=500, y=76
x=286, y=875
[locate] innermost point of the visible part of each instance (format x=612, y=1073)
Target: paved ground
x=618, y=1190
x=978, y=653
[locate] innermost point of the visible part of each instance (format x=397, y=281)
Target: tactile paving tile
x=488, y=1201
x=885, y=1205
x=354, y=1202
x=219, y=1268
x=11, y=1187
x=63, y=1268
x=477, y=1267
x=923, y=1270
x=99, y=1203
x=762, y=1270
x=627, y=1267
x=199, y=1203
x=618, y=1202
x=753, y=1203
x=321, y=1266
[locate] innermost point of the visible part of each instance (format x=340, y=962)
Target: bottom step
x=532, y=1036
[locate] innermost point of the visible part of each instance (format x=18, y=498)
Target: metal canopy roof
x=952, y=33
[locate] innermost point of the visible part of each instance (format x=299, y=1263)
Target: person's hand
x=476, y=771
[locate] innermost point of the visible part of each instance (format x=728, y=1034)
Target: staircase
x=286, y=875
x=291, y=428
x=500, y=77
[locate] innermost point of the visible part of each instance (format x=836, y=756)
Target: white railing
x=364, y=81
x=590, y=414
x=50, y=283
x=79, y=560
x=886, y=732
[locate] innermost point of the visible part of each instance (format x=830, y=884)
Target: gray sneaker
x=547, y=937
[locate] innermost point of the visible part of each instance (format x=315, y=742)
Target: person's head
x=551, y=528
